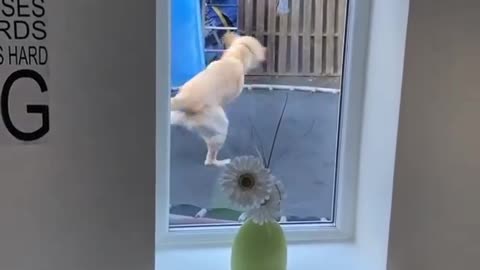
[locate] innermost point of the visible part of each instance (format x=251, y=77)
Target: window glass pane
x=287, y=114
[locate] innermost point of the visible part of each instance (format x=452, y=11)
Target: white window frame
x=348, y=154
x=371, y=98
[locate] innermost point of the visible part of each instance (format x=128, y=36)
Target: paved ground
x=303, y=158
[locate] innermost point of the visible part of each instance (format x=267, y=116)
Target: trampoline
x=306, y=139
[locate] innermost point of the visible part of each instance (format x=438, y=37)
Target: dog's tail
x=177, y=104
x=180, y=103
x=178, y=118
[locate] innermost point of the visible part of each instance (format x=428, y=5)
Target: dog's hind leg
x=215, y=134
x=214, y=144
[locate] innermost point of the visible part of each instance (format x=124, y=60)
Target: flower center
x=246, y=181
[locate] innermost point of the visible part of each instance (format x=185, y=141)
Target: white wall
x=83, y=198
x=436, y=216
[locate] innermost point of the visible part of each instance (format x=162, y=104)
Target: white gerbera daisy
x=270, y=210
x=247, y=182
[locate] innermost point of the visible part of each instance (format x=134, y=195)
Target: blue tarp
x=187, y=40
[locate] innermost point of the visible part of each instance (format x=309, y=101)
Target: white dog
x=199, y=104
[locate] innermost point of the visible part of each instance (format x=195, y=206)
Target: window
x=288, y=114
x=322, y=118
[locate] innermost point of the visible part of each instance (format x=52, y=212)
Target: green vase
x=259, y=247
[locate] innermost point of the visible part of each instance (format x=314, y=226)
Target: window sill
x=199, y=237
x=339, y=256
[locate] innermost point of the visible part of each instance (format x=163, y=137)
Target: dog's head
x=246, y=49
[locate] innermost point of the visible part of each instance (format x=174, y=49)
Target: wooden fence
x=308, y=41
